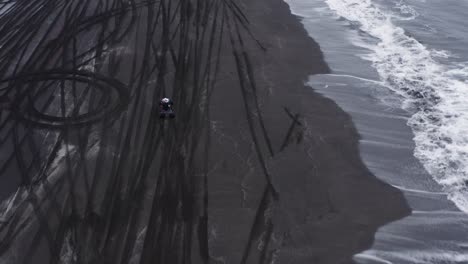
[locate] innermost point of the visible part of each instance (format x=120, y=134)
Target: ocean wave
x=431, y=88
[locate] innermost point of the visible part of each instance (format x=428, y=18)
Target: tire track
x=102, y=180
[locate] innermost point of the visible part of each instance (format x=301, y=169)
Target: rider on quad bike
x=165, y=106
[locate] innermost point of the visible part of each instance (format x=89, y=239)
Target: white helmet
x=165, y=100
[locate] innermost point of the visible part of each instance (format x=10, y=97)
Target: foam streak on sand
x=5, y=6
x=419, y=257
x=434, y=92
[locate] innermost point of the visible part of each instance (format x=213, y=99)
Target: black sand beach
x=255, y=168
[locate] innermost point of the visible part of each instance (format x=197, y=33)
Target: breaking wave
x=436, y=92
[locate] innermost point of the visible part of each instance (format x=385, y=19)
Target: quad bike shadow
x=167, y=114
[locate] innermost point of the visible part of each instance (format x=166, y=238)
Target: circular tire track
x=115, y=98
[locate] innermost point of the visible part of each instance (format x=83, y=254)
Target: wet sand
x=256, y=167
x=329, y=205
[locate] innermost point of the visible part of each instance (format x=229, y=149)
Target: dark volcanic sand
x=256, y=167
x=329, y=204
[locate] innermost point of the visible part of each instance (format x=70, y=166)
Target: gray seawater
x=399, y=67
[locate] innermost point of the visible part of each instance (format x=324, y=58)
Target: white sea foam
x=436, y=92
x=419, y=191
x=372, y=258
x=413, y=256
x=4, y=8
x=405, y=12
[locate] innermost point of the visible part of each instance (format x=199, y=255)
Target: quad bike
x=166, y=111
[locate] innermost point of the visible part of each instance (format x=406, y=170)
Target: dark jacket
x=166, y=106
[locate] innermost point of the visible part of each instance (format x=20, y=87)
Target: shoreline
x=330, y=205
x=386, y=147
